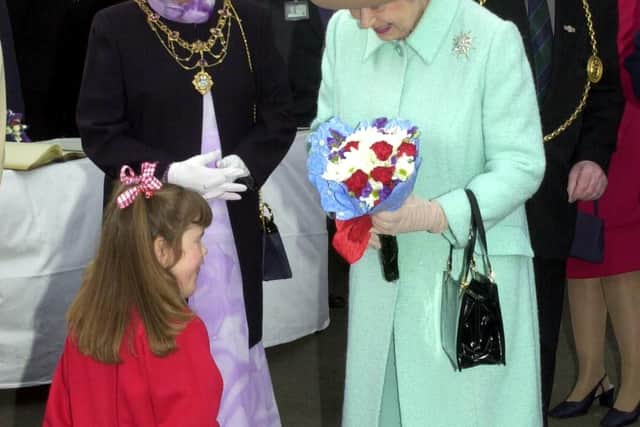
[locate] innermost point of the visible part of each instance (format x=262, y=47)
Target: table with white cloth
x=49, y=229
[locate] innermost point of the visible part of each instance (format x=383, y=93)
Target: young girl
x=136, y=355
x=138, y=101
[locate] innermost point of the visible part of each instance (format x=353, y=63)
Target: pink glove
x=374, y=241
x=414, y=215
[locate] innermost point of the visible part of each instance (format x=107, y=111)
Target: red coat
x=182, y=389
x=619, y=206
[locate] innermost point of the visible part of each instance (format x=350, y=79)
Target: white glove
x=414, y=215
x=234, y=161
x=211, y=183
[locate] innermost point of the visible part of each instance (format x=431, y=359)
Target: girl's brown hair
x=126, y=276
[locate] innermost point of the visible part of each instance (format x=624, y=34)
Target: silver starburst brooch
x=462, y=44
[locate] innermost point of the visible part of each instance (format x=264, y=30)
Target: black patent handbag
x=275, y=264
x=471, y=320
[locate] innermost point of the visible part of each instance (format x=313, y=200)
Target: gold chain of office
x=595, y=68
x=203, y=81
x=200, y=54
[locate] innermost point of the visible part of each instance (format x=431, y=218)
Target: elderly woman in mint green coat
x=461, y=74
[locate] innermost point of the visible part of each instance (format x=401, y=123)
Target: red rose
x=407, y=148
x=383, y=174
x=350, y=145
x=382, y=149
x=356, y=182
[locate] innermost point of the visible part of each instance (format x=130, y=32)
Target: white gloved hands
x=210, y=182
x=414, y=215
x=235, y=162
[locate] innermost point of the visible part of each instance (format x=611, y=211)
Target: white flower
x=405, y=166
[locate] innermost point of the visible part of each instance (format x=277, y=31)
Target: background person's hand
x=414, y=215
x=587, y=181
x=211, y=183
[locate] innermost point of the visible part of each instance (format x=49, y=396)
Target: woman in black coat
x=146, y=96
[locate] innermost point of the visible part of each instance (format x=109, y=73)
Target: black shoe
x=569, y=409
x=617, y=418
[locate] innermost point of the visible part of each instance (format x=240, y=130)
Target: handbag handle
x=478, y=224
x=476, y=229
x=265, y=214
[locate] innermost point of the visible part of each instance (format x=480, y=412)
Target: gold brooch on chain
x=199, y=54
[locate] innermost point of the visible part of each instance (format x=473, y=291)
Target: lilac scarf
x=191, y=12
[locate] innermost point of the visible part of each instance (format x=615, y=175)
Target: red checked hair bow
x=146, y=183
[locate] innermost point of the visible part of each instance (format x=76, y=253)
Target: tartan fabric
x=146, y=183
x=541, y=33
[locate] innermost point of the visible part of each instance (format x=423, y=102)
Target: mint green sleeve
x=325, y=93
x=512, y=140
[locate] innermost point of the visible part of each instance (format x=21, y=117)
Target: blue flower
x=380, y=122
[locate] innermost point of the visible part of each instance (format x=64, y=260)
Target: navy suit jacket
x=593, y=135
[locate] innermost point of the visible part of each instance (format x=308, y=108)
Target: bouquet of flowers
x=359, y=172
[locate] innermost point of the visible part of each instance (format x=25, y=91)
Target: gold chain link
x=594, y=61
x=244, y=36
x=246, y=50
x=198, y=47
x=264, y=210
x=592, y=33
x=202, y=81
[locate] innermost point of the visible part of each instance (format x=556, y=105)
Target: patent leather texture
x=570, y=409
x=617, y=418
x=472, y=329
x=480, y=334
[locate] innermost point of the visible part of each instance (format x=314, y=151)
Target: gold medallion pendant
x=203, y=82
x=595, y=68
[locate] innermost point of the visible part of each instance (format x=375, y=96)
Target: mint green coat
x=480, y=129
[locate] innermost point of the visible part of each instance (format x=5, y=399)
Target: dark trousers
x=550, y=286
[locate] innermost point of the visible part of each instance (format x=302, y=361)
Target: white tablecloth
x=49, y=226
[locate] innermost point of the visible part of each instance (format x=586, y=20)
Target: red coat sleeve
x=58, y=409
x=186, y=385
